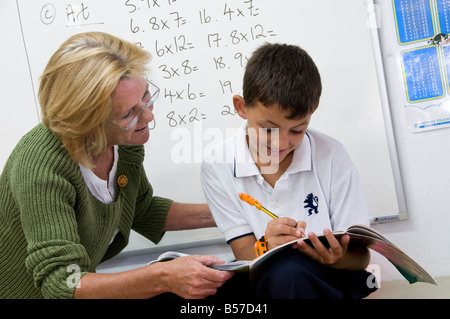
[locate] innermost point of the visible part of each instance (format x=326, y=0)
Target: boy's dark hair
x=283, y=75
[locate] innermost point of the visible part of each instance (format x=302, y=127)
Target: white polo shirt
x=321, y=187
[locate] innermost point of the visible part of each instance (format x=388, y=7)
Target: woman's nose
x=147, y=114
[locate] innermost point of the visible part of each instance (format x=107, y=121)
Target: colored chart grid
x=414, y=20
x=422, y=74
x=443, y=15
x=446, y=54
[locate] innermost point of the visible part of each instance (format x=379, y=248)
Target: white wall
x=424, y=161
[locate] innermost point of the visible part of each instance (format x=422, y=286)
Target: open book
x=359, y=234
x=237, y=265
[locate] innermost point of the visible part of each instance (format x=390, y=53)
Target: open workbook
x=359, y=234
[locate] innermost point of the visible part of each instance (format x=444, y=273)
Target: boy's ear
x=240, y=106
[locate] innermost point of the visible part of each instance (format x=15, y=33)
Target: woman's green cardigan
x=53, y=230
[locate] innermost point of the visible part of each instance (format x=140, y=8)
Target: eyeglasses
x=154, y=93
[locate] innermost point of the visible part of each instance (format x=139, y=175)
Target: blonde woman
x=75, y=185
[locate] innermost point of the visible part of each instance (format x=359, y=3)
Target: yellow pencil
x=247, y=198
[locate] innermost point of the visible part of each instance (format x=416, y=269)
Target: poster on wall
x=422, y=29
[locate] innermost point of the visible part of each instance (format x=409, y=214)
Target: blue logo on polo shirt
x=312, y=202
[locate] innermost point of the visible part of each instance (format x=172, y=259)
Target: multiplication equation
x=203, y=45
x=236, y=37
x=230, y=12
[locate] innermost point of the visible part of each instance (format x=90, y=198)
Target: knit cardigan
x=53, y=230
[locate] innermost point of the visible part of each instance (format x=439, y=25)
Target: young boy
x=304, y=177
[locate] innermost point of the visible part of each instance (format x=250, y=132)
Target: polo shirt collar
x=302, y=157
x=244, y=166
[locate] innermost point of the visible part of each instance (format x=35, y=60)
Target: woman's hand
x=191, y=278
x=187, y=277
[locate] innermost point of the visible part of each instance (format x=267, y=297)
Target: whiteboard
x=199, y=51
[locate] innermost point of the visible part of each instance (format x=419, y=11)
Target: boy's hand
x=332, y=256
x=282, y=230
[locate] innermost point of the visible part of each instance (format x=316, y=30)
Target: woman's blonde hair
x=76, y=87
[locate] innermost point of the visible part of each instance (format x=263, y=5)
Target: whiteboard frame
x=402, y=214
